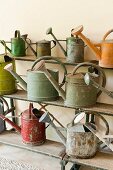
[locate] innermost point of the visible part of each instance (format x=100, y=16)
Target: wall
x=35, y=16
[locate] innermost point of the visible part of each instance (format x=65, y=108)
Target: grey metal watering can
x=43, y=47
x=90, y=81
x=74, y=47
x=38, y=87
x=77, y=93
x=78, y=143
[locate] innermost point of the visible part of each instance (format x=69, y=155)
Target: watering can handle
x=101, y=72
x=17, y=34
x=51, y=58
x=110, y=31
x=54, y=43
x=6, y=104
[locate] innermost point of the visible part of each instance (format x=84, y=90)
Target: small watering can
x=90, y=81
x=105, y=53
x=77, y=93
x=18, y=47
x=43, y=47
x=38, y=87
x=32, y=131
x=74, y=48
x=78, y=143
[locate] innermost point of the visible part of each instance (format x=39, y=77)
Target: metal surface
x=7, y=81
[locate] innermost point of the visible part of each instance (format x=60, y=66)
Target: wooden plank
x=102, y=108
x=51, y=148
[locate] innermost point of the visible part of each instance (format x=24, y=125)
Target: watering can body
x=105, y=53
x=74, y=48
x=7, y=81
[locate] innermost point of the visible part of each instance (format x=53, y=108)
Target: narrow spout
x=46, y=119
x=9, y=67
x=49, y=31
x=11, y=123
x=41, y=67
x=89, y=81
x=24, y=37
x=4, y=44
x=77, y=31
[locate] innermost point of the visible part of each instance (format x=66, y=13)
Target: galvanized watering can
x=7, y=81
x=43, y=47
x=90, y=81
x=31, y=130
x=74, y=48
x=105, y=53
x=77, y=93
x=78, y=144
x=38, y=87
x=18, y=46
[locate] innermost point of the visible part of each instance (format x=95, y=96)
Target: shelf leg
x=2, y=122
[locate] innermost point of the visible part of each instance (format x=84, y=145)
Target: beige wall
x=35, y=16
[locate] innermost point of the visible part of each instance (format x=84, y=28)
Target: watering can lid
x=76, y=78
x=43, y=42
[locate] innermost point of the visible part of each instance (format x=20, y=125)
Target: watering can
x=31, y=130
x=105, y=53
x=38, y=87
x=74, y=48
x=78, y=143
x=18, y=47
x=43, y=47
x=76, y=94
x=89, y=81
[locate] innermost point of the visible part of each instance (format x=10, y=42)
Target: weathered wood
x=102, y=108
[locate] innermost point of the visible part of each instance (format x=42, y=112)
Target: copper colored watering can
x=105, y=53
x=32, y=131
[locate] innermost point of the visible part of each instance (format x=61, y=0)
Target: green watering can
x=77, y=93
x=18, y=46
x=38, y=87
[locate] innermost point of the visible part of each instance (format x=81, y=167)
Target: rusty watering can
x=74, y=47
x=32, y=131
x=105, y=53
x=38, y=87
x=43, y=47
x=90, y=81
x=76, y=94
x=78, y=143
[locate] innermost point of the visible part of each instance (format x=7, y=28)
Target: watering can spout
x=89, y=81
x=9, y=68
x=45, y=118
x=41, y=67
x=49, y=31
x=78, y=31
x=4, y=44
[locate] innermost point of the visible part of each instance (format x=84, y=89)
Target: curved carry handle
x=54, y=42
x=110, y=31
x=6, y=104
x=17, y=34
x=100, y=70
x=51, y=58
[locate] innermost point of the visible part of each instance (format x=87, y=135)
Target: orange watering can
x=105, y=51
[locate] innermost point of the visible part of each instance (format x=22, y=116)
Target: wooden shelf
x=106, y=109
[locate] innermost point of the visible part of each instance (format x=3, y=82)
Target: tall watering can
x=31, y=130
x=77, y=93
x=78, y=143
x=90, y=81
x=43, y=47
x=105, y=53
x=38, y=87
x=74, y=48
x=18, y=46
